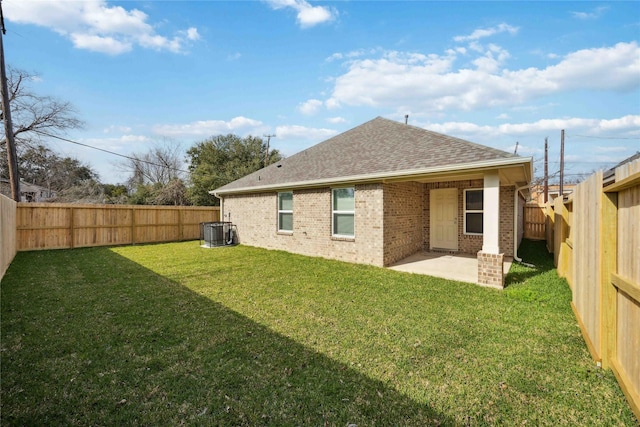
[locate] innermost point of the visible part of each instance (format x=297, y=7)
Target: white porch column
x=491, y=214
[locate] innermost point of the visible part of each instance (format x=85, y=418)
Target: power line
x=107, y=151
x=601, y=137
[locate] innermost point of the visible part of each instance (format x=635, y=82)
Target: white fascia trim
x=414, y=173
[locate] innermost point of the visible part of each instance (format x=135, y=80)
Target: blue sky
x=148, y=73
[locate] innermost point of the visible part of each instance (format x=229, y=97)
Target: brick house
x=383, y=191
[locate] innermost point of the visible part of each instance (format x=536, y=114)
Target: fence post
x=608, y=293
x=71, y=226
x=133, y=225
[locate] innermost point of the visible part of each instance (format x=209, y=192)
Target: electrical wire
x=601, y=137
x=107, y=151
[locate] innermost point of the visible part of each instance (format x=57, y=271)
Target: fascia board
x=364, y=178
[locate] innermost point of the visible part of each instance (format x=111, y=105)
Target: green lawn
x=175, y=334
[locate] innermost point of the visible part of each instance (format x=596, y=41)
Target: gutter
x=515, y=221
x=380, y=176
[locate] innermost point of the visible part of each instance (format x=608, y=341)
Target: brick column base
x=490, y=270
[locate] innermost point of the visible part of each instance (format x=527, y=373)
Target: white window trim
x=465, y=211
x=280, y=229
x=334, y=212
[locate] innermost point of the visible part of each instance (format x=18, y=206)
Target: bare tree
x=162, y=164
x=157, y=176
x=32, y=114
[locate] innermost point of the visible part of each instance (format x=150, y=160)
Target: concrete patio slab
x=460, y=267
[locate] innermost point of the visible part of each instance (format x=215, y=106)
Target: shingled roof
x=378, y=148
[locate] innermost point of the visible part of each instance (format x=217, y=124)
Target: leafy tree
x=115, y=194
x=221, y=159
x=41, y=166
x=142, y=195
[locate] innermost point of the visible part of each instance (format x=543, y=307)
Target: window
x=473, y=207
x=285, y=211
x=343, y=208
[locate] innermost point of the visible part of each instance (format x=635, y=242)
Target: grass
x=174, y=334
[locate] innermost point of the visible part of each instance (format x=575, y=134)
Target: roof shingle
x=376, y=147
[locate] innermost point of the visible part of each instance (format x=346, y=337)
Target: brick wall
x=256, y=218
x=403, y=220
x=391, y=222
x=506, y=220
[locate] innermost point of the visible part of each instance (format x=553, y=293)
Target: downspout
x=221, y=206
x=515, y=221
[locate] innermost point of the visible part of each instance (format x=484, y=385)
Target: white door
x=444, y=219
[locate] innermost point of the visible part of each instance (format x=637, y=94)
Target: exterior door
x=443, y=205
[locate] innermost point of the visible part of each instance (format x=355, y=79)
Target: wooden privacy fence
x=596, y=244
x=58, y=226
x=7, y=233
x=534, y=222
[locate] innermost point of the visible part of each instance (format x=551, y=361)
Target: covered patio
x=460, y=267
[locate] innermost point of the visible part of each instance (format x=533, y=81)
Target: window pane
x=343, y=224
x=474, y=223
x=343, y=199
x=285, y=201
x=474, y=200
x=286, y=221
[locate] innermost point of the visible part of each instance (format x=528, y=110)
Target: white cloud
x=351, y=55
x=610, y=149
x=594, y=14
x=487, y=32
x=94, y=25
x=96, y=43
x=302, y=132
x=205, y=128
x=432, y=83
x=310, y=107
x=234, y=56
x=620, y=127
x=308, y=15
x=336, y=120
x=192, y=33
x=119, y=129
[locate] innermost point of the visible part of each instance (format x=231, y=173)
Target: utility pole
x=561, y=164
x=12, y=159
x=266, y=155
x=546, y=170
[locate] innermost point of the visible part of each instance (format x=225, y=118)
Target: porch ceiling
x=515, y=175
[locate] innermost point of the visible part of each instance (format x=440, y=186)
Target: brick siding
x=391, y=222
x=403, y=219
x=256, y=218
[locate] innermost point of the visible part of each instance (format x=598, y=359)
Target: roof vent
x=406, y=119
x=279, y=166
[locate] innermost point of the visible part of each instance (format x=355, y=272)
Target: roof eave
x=526, y=162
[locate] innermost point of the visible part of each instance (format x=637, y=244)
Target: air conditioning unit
x=215, y=234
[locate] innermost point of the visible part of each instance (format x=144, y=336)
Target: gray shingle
x=376, y=147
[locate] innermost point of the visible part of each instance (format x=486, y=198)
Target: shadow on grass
x=534, y=253
x=91, y=338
